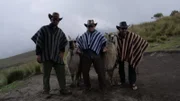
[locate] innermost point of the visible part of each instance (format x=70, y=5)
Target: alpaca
x=73, y=62
x=110, y=57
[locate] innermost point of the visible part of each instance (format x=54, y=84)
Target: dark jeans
x=60, y=73
x=99, y=68
x=132, y=73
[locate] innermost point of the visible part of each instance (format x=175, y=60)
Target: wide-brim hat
x=90, y=23
x=54, y=14
x=122, y=24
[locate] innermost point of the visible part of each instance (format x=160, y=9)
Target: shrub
x=37, y=69
x=174, y=12
x=151, y=40
x=163, y=38
x=158, y=15
x=14, y=75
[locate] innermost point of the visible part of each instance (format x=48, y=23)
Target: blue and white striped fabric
x=92, y=41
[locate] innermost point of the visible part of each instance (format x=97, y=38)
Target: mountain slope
x=17, y=60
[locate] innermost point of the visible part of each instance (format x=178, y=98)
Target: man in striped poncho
x=50, y=43
x=92, y=44
x=130, y=49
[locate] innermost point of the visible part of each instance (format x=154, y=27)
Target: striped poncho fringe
x=50, y=42
x=93, y=41
x=131, y=48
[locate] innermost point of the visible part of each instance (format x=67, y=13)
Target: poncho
x=93, y=41
x=131, y=48
x=49, y=41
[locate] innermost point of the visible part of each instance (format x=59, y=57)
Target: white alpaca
x=73, y=62
x=110, y=57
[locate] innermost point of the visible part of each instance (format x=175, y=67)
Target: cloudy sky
x=20, y=19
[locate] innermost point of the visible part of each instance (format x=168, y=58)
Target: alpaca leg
x=110, y=77
x=72, y=77
x=77, y=79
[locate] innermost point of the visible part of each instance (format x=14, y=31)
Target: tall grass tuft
x=13, y=75
x=9, y=75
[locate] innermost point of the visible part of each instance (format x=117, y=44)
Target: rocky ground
x=158, y=80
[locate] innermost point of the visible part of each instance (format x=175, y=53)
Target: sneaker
x=65, y=92
x=134, y=87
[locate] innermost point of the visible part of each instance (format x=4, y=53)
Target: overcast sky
x=20, y=19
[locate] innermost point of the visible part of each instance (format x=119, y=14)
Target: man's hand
x=78, y=51
x=104, y=49
x=61, y=55
x=39, y=58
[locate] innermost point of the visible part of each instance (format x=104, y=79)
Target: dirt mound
x=158, y=80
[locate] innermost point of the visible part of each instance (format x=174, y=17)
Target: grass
x=11, y=86
x=162, y=34
x=159, y=30
x=17, y=60
x=8, y=76
x=172, y=44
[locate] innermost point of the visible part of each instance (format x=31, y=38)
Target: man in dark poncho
x=130, y=49
x=50, y=43
x=91, y=44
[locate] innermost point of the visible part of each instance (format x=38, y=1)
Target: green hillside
x=162, y=34
x=17, y=60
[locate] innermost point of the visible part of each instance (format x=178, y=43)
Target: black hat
x=90, y=22
x=122, y=24
x=55, y=14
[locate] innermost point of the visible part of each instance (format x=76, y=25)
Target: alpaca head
x=112, y=38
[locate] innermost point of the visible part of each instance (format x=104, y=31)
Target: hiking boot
x=65, y=92
x=46, y=94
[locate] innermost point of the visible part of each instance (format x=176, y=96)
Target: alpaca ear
x=69, y=37
x=106, y=35
x=50, y=16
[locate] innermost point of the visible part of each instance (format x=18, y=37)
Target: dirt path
x=158, y=80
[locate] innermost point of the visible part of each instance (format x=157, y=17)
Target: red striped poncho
x=131, y=48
